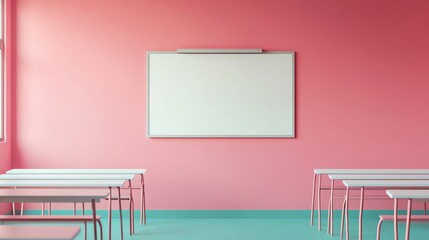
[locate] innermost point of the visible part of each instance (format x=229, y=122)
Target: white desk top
x=386, y=183
x=413, y=194
x=67, y=176
x=76, y=171
x=371, y=171
x=38, y=232
x=61, y=183
x=52, y=195
x=378, y=177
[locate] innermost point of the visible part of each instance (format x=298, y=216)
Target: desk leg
x=13, y=208
x=328, y=225
x=120, y=212
x=110, y=214
x=395, y=219
x=43, y=208
x=319, y=212
x=74, y=208
x=85, y=227
x=362, y=192
x=332, y=208
x=22, y=208
x=347, y=213
x=131, y=208
x=407, y=227
x=94, y=218
x=313, y=193
x=142, y=201
x=343, y=209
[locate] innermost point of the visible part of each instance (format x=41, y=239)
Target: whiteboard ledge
x=221, y=136
x=217, y=51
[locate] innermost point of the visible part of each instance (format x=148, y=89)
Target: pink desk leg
x=347, y=212
x=142, y=201
x=328, y=225
x=13, y=208
x=332, y=207
x=407, y=227
x=343, y=209
x=319, y=211
x=120, y=212
x=395, y=219
x=94, y=218
x=131, y=208
x=362, y=197
x=110, y=214
x=83, y=213
x=313, y=193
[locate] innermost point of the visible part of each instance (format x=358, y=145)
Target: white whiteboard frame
x=218, y=136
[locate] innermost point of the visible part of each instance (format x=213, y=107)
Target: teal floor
x=250, y=228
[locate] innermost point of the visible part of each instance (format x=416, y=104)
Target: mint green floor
x=249, y=228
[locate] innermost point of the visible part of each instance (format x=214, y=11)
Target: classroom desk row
x=363, y=180
x=82, y=178
x=54, y=195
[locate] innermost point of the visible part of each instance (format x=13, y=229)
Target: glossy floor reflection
x=249, y=229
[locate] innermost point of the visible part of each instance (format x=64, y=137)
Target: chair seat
x=415, y=218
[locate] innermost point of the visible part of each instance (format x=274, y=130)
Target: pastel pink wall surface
x=6, y=144
x=361, y=92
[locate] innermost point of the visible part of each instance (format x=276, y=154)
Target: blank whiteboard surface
x=221, y=95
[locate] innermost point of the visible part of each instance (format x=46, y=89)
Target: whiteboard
x=220, y=95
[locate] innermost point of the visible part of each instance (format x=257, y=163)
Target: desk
x=317, y=180
x=56, y=195
x=74, y=184
x=140, y=172
x=410, y=195
x=127, y=177
x=376, y=184
x=38, y=232
x=66, y=176
x=335, y=177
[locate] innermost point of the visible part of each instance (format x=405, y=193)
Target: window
x=2, y=82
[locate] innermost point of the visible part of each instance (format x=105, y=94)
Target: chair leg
x=379, y=228
x=101, y=229
x=85, y=232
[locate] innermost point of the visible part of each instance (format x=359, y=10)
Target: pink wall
x=362, y=93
